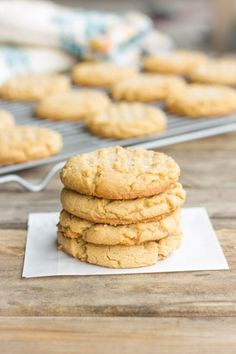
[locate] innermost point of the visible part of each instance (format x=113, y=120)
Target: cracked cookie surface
x=7, y=120
x=100, y=74
x=127, y=120
x=197, y=100
x=117, y=256
x=118, y=212
x=105, y=234
x=72, y=105
x=26, y=143
x=32, y=87
x=120, y=173
x=146, y=87
x=179, y=62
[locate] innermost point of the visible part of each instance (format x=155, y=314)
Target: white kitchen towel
x=200, y=249
x=16, y=60
x=88, y=34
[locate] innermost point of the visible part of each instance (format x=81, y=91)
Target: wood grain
x=171, y=312
x=165, y=294
x=117, y=335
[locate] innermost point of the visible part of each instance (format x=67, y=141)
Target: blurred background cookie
x=7, y=120
x=127, y=120
x=215, y=71
x=197, y=100
x=146, y=87
x=100, y=74
x=31, y=87
x=26, y=143
x=72, y=105
x=179, y=62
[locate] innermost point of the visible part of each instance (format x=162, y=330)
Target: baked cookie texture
x=7, y=120
x=121, y=207
x=26, y=143
x=100, y=74
x=202, y=100
x=120, y=173
x=116, y=212
x=146, y=87
x=72, y=105
x=32, y=87
x=179, y=62
x=215, y=71
x=127, y=120
x=128, y=235
x=118, y=256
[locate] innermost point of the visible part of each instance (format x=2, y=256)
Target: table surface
x=174, y=312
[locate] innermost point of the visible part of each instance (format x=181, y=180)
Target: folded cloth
x=19, y=60
x=88, y=34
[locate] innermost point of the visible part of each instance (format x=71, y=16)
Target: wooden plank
x=208, y=293
x=116, y=335
x=208, y=174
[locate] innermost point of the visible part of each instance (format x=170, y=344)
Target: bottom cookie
x=119, y=256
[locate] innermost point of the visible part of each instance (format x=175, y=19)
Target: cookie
x=100, y=74
x=110, y=256
x=202, y=101
x=7, y=120
x=127, y=120
x=118, y=212
x=129, y=235
x=26, y=143
x=146, y=87
x=215, y=71
x=169, y=244
x=179, y=62
x=32, y=87
x=118, y=256
x=120, y=173
x=72, y=105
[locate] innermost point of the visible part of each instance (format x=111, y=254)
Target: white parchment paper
x=200, y=249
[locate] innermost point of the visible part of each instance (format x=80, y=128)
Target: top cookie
x=7, y=120
x=72, y=105
x=202, y=100
x=32, y=87
x=176, y=62
x=100, y=74
x=146, y=87
x=217, y=71
x=120, y=173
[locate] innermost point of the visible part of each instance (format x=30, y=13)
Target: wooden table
x=165, y=313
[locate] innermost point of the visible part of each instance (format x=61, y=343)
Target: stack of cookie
x=121, y=207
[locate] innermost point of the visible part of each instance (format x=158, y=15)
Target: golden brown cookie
x=72, y=105
x=116, y=212
x=100, y=74
x=32, y=87
x=26, y=143
x=127, y=120
x=169, y=244
x=7, y=120
x=179, y=62
x=110, y=256
x=202, y=101
x=129, y=235
x=146, y=87
x=215, y=71
x=120, y=173
x=118, y=256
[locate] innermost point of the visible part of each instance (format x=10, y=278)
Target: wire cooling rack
x=77, y=139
